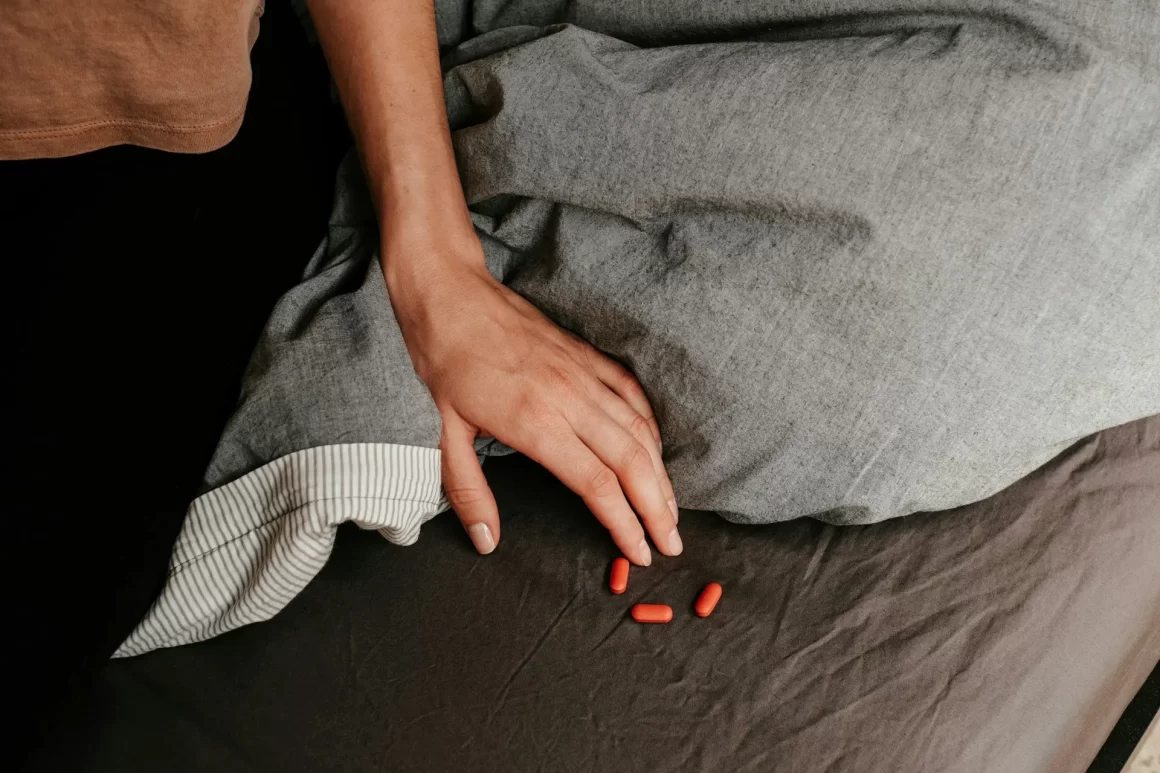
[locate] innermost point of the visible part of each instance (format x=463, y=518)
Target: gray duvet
x=867, y=258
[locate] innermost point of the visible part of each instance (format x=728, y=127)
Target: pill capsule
x=618, y=579
x=652, y=613
x=708, y=599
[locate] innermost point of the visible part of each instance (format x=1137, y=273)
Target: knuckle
x=602, y=482
x=535, y=412
x=465, y=496
x=558, y=379
x=629, y=384
x=640, y=427
x=637, y=460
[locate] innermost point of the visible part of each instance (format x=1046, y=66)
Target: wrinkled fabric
x=866, y=258
x=1004, y=637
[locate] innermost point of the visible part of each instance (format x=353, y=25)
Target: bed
x=1005, y=635
x=1008, y=635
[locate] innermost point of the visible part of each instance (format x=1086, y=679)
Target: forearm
x=384, y=56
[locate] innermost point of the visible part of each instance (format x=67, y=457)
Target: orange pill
x=708, y=599
x=618, y=579
x=652, y=613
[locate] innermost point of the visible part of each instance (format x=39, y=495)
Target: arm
x=492, y=362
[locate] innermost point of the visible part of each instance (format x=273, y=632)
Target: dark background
x=137, y=283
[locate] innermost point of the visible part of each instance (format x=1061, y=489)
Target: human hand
x=496, y=366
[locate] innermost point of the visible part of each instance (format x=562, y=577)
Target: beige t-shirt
x=77, y=75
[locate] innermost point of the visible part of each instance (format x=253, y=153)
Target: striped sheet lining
x=247, y=548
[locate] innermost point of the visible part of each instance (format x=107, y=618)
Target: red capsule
x=708, y=599
x=652, y=613
x=618, y=579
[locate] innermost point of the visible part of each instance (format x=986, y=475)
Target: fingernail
x=644, y=553
x=481, y=538
x=675, y=544
x=676, y=511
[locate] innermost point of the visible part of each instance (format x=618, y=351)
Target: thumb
x=466, y=488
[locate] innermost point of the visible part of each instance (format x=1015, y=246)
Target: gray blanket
x=866, y=257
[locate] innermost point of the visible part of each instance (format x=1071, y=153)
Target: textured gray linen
x=867, y=258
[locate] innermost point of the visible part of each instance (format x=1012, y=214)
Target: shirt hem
x=59, y=142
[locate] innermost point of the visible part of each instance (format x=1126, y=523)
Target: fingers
x=623, y=385
x=556, y=446
x=621, y=381
x=625, y=416
x=635, y=469
x=466, y=488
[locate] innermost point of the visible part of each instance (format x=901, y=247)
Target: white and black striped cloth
x=250, y=546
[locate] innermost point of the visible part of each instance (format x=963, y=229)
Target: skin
x=493, y=363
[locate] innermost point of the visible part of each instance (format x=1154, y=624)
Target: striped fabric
x=250, y=546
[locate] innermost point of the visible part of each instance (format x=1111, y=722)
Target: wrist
x=419, y=267
x=429, y=281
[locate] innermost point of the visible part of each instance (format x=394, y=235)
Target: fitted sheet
x=1007, y=635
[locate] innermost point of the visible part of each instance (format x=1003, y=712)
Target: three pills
x=660, y=613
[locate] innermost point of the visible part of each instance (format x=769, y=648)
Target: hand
x=496, y=366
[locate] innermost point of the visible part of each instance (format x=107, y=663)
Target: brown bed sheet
x=1003, y=636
